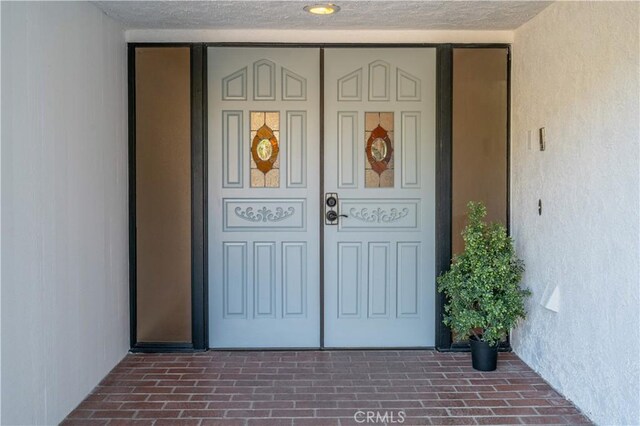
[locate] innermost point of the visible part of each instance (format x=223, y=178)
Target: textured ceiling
x=266, y=14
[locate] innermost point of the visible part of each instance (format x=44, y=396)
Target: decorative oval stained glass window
x=264, y=149
x=378, y=149
x=264, y=162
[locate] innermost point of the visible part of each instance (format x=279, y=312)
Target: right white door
x=379, y=158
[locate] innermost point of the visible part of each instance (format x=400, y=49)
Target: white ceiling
x=370, y=15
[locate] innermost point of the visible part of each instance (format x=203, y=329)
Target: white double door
x=267, y=212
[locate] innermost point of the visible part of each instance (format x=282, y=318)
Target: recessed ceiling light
x=322, y=9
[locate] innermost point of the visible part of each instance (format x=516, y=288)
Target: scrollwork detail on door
x=264, y=214
x=378, y=215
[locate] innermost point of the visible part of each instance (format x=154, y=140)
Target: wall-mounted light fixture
x=322, y=9
x=543, y=139
x=551, y=298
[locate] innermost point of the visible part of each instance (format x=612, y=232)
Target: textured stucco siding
x=576, y=72
x=65, y=316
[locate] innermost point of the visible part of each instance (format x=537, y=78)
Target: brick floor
x=321, y=388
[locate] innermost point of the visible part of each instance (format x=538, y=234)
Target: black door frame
x=199, y=269
x=199, y=225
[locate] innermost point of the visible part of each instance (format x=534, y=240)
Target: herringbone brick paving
x=321, y=388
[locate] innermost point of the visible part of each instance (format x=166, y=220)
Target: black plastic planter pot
x=483, y=356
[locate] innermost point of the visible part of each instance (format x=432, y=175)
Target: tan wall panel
x=479, y=135
x=163, y=194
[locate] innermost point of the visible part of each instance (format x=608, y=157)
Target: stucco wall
x=64, y=206
x=319, y=36
x=576, y=72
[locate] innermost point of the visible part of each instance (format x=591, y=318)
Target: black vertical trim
x=321, y=196
x=443, y=181
x=198, y=200
x=508, y=216
x=131, y=77
x=205, y=179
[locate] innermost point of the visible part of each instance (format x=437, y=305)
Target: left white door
x=263, y=176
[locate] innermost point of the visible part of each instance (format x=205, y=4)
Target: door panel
x=478, y=136
x=380, y=159
x=263, y=197
x=163, y=195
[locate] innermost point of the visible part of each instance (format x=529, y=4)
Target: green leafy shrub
x=484, y=298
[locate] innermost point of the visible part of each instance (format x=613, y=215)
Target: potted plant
x=484, y=299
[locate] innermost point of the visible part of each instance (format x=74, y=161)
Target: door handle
x=331, y=204
x=332, y=216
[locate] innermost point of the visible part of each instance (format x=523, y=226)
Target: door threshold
x=291, y=349
x=259, y=349
x=384, y=348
